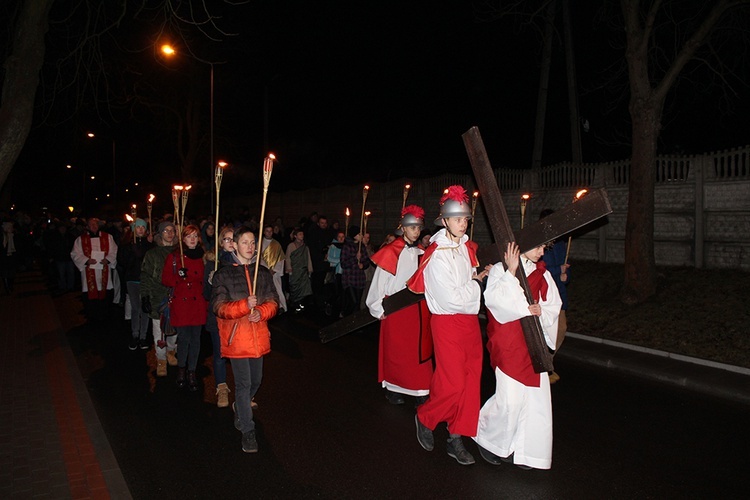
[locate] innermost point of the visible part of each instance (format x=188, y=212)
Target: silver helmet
x=455, y=203
x=412, y=215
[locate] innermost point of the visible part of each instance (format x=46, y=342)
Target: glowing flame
x=222, y=164
x=580, y=193
x=525, y=196
x=151, y=198
x=367, y=213
x=128, y=217
x=347, y=211
x=476, y=194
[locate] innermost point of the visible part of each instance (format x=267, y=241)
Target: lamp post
x=170, y=51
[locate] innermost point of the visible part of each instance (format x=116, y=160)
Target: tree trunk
x=640, y=263
x=21, y=81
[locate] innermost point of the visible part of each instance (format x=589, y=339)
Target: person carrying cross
x=515, y=424
x=452, y=288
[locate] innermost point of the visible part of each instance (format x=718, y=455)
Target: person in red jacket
x=242, y=314
x=188, y=308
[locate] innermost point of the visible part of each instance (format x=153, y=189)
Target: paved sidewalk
x=53, y=445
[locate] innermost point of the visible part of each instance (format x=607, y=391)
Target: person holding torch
x=242, y=317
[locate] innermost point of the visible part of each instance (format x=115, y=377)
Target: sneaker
x=236, y=419
x=133, y=345
x=456, y=450
x=489, y=457
x=144, y=345
x=394, y=398
x=161, y=367
x=424, y=435
x=249, y=444
x=222, y=395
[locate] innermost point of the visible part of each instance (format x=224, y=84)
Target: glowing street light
x=170, y=51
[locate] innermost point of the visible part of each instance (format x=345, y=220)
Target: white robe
x=449, y=288
x=517, y=419
x=79, y=259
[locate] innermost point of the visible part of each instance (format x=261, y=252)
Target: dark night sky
x=369, y=92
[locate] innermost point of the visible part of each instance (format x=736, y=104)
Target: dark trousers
x=352, y=298
x=248, y=373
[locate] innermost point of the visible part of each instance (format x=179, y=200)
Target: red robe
x=401, y=333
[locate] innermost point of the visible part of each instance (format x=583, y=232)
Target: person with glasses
x=153, y=293
x=226, y=257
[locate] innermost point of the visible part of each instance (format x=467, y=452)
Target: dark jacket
x=130, y=257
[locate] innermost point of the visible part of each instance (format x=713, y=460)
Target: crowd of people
x=174, y=283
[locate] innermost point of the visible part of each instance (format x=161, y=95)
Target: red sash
x=94, y=292
x=416, y=282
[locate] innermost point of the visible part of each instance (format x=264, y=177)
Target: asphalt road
x=325, y=430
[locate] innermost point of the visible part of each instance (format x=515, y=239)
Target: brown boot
x=171, y=358
x=161, y=367
x=222, y=395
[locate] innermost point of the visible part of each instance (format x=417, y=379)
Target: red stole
x=94, y=293
x=387, y=257
x=506, y=342
x=416, y=282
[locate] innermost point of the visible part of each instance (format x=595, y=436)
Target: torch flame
x=476, y=194
x=580, y=193
x=178, y=188
x=187, y=188
x=367, y=213
x=347, y=211
x=128, y=218
x=525, y=196
x=151, y=198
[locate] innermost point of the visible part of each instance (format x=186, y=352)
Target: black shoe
x=249, y=444
x=192, y=381
x=180, y=380
x=456, y=450
x=489, y=457
x=424, y=435
x=394, y=398
x=510, y=460
x=144, y=345
x=133, y=345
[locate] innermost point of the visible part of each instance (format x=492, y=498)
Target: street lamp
x=170, y=51
x=91, y=135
